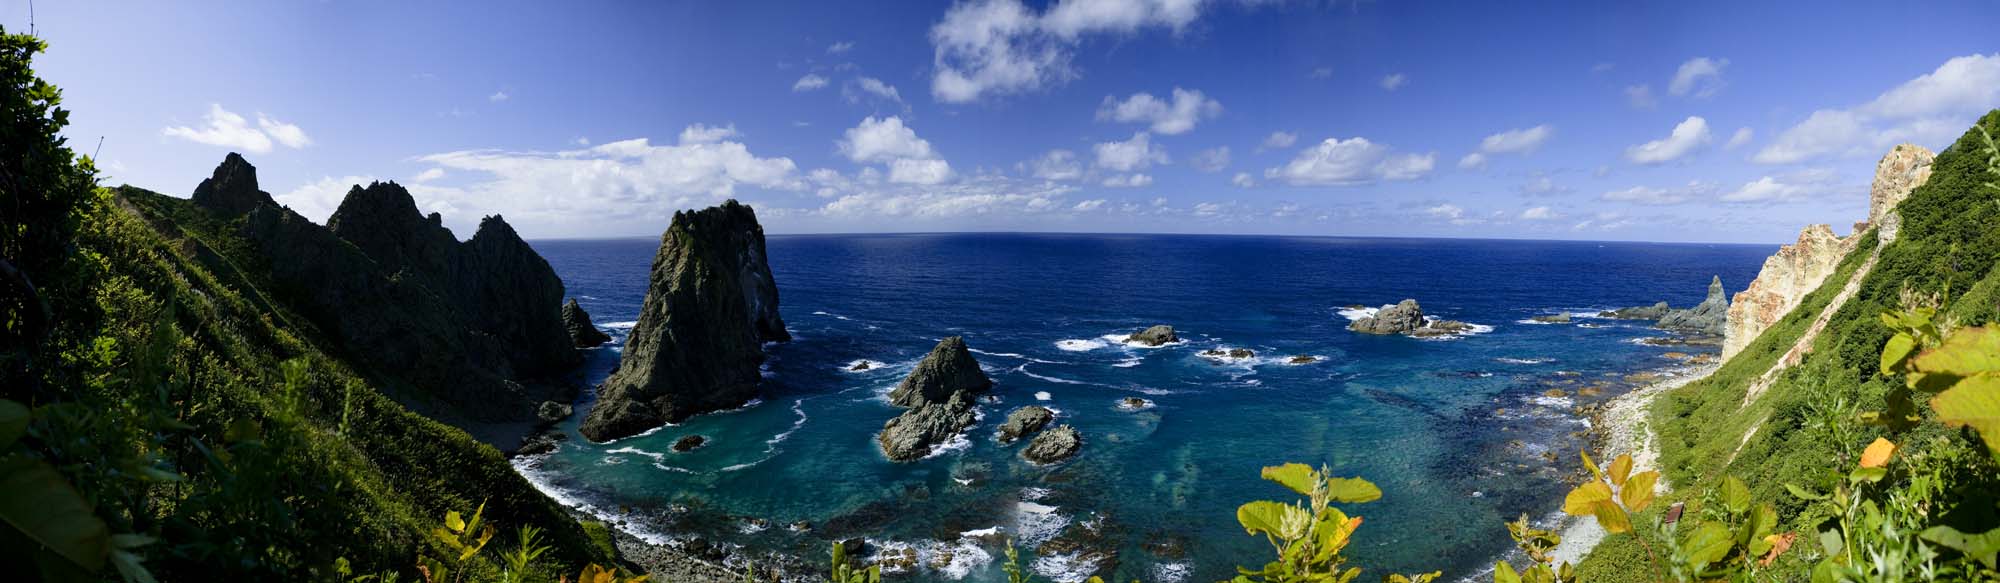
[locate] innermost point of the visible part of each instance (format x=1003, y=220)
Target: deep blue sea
x=1453, y=430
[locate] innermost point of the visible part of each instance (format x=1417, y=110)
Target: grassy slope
x=1950, y=245
x=367, y=478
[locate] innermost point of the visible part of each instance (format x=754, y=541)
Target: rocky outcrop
x=1799, y=268
x=1155, y=336
x=582, y=333
x=1053, y=445
x=1025, y=421
x=940, y=393
x=1707, y=317
x=1902, y=170
x=1397, y=319
x=699, y=340
x=466, y=333
x=1652, y=313
x=1562, y=318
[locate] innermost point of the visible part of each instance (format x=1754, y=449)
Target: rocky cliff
x=940, y=393
x=699, y=340
x=582, y=332
x=1707, y=317
x=1799, y=268
x=468, y=333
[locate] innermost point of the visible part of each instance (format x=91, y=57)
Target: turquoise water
x=1453, y=430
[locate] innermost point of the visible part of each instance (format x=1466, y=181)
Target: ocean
x=1458, y=432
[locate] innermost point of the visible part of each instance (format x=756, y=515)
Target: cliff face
x=939, y=393
x=1798, y=269
x=462, y=332
x=699, y=340
x=1707, y=317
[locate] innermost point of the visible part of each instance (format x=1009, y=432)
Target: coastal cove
x=1460, y=430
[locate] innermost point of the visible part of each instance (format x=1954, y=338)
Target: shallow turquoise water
x=1453, y=430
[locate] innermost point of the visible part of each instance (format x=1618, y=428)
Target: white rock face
x=1799, y=268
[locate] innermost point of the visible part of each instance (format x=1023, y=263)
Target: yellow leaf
x=1584, y=499
x=1612, y=518
x=1878, y=453
x=1620, y=468
x=454, y=521
x=1974, y=401
x=1638, y=491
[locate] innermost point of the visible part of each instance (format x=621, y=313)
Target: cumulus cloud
x=1517, y=140
x=318, y=199
x=1168, y=117
x=1540, y=213
x=702, y=134
x=1056, y=165
x=1453, y=214
x=1088, y=205
x=1128, y=181
x=1394, y=81
x=1793, y=187
x=428, y=175
x=1137, y=153
x=1687, y=137
x=840, y=47
x=1211, y=160
x=984, y=196
x=1641, y=97
x=1279, y=140
x=1738, y=139
x=1932, y=108
x=224, y=128
x=1001, y=47
x=1472, y=161
x=809, y=82
x=1243, y=180
x=887, y=141
x=1350, y=161
x=497, y=96
x=865, y=87
x=1700, y=77
x=1647, y=195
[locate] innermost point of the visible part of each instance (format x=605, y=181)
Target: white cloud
x=1472, y=161
x=1517, y=141
x=882, y=140
x=227, y=129
x=1700, y=77
x=1001, y=47
x=702, y=134
x=1056, y=165
x=913, y=171
x=428, y=175
x=1446, y=211
x=866, y=86
x=1641, y=97
x=497, y=96
x=840, y=47
x=1604, y=221
x=1243, y=180
x=1166, y=117
x=809, y=82
x=1932, y=108
x=1279, y=140
x=1541, y=185
x=1602, y=67
x=1321, y=73
x=1129, y=181
x=1137, y=153
x=318, y=199
x=1647, y=195
x=1088, y=205
x=1794, y=187
x=1211, y=160
x=1350, y=161
x=1540, y=213
x=984, y=196
x=1689, y=135
x=1394, y=81
x=1207, y=209
x=1738, y=139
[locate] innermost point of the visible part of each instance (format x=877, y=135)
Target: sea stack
x=1160, y=335
x=939, y=393
x=1403, y=317
x=699, y=340
x=1706, y=318
x=1799, y=268
x=582, y=333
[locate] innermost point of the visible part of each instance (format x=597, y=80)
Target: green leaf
x=1353, y=490
x=1300, y=478
x=1830, y=540
x=1735, y=495
x=1284, y=521
x=1981, y=546
x=1870, y=475
x=43, y=507
x=13, y=422
x=1504, y=573
x=1896, y=351
x=1802, y=493
x=1966, y=353
x=453, y=521
x=1709, y=543
x=1976, y=402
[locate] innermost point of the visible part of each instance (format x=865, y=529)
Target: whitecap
x=1144, y=404
x=1129, y=362
x=1015, y=355
x=1126, y=340
x=1358, y=313
x=1078, y=345
x=619, y=325
x=1023, y=369
x=657, y=456
x=1035, y=523
x=873, y=365
x=1064, y=567
x=1512, y=360
x=956, y=443
x=1172, y=572
x=1042, y=395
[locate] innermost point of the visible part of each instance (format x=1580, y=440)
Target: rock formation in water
x=1562, y=318
x=1053, y=445
x=940, y=393
x=1798, y=269
x=465, y=333
x=1397, y=319
x=1651, y=313
x=1155, y=336
x=1707, y=317
x=1025, y=421
x=582, y=333
x=699, y=340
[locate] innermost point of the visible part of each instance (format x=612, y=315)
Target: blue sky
x=1688, y=121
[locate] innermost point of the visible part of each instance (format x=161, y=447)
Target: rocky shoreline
x=1620, y=427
